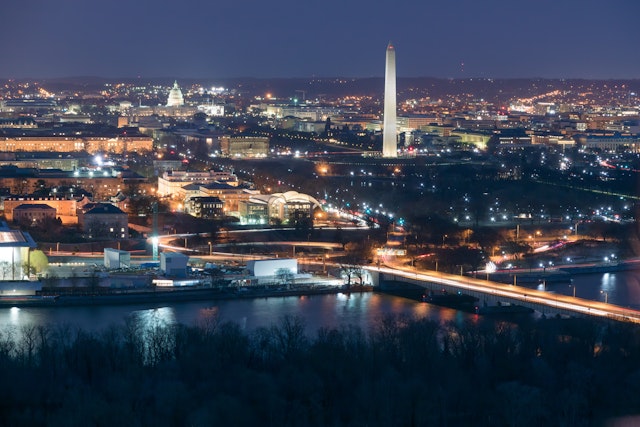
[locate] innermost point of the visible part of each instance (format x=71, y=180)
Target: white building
x=175, y=98
x=173, y=264
x=114, y=258
x=15, y=247
x=272, y=267
x=213, y=110
x=171, y=182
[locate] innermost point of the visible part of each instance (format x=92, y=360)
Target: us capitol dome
x=175, y=96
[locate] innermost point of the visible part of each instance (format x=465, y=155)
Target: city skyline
x=496, y=39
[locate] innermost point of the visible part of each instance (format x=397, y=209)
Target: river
x=334, y=310
x=620, y=288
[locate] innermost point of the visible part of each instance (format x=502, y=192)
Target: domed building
x=175, y=96
x=286, y=208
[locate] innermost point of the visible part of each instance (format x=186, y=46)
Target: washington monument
x=389, y=135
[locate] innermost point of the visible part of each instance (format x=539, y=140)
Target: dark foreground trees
x=401, y=373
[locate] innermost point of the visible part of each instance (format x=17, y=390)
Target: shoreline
x=150, y=297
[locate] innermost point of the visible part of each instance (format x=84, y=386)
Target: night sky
x=299, y=38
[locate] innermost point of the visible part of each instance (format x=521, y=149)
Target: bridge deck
x=494, y=292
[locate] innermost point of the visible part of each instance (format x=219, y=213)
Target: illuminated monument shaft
x=389, y=135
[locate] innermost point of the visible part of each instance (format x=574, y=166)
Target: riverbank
x=156, y=296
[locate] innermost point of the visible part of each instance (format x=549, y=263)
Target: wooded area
x=404, y=372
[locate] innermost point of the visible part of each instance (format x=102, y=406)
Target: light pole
x=444, y=236
x=606, y=296
x=490, y=268
x=574, y=290
x=210, y=249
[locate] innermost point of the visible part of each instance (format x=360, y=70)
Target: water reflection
x=608, y=285
x=155, y=318
x=360, y=310
x=14, y=316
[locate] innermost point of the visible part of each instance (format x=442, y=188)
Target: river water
x=621, y=288
x=336, y=310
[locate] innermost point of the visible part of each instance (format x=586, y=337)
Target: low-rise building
x=15, y=249
x=244, y=146
x=32, y=214
x=91, y=144
x=173, y=264
x=98, y=220
x=114, y=258
x=204, y=207
x=286, y=208
x=101, y=183
x=65, y=208
x=171, y=182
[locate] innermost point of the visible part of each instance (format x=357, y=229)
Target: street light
x=606, y=296
x=574, y=290
x=490, y=268
x=210, y=249
x=444, y=236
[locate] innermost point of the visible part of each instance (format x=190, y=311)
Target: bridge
x=494, y=293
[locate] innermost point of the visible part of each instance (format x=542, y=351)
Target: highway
x=515, y=294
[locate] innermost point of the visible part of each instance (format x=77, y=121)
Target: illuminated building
x=28, y=105
x=244, y=146
x=389, y=136
x=91, y=144
x=172, y=182
x=15, y=247
x=65, y=162
x=18, y=123
x=175, y=98
x=214, y=110
x=101, y=184
x=229, y=195
x=286, y=208
x=611, y=143
x=64, y=208
x=204, y=207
